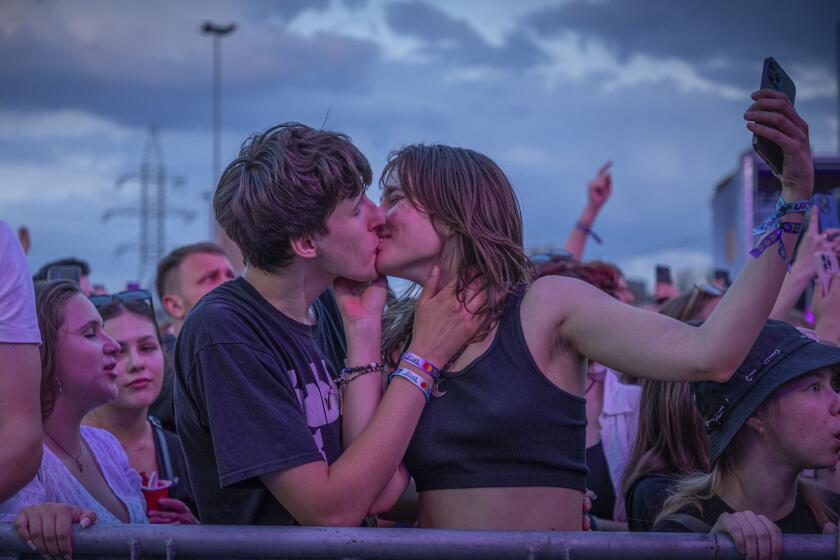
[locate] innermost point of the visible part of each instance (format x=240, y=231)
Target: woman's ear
x=304, y=247
x=443, y=229
x=756, y=424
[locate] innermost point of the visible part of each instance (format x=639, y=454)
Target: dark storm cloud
x=135, y=71
x=802, y=32
x=453, y=40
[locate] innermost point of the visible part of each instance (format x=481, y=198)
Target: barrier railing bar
x=225, y=541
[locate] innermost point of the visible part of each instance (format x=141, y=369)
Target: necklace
x=588, y=387
x=76, y=459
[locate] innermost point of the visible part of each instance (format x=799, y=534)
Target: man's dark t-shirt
x=254, y=395
x=799, y=521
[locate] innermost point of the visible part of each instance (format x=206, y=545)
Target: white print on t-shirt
x=320, y=402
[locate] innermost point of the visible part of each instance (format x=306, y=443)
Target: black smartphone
x=65, y=272
x=773, y=77
x=827, y=207
x=663, y=274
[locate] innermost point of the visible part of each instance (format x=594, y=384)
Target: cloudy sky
x=548, y=88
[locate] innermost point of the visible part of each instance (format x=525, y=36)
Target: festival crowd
x=503, y=391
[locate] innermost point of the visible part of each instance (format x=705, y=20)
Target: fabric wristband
x=413, y=378
x=590, y=233
x=422, y=364
x=776, y=226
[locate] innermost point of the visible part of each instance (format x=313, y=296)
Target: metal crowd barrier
x=241, y=542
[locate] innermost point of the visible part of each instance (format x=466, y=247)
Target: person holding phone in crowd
x=129, y=319
x=84, y=476
x=501, y=443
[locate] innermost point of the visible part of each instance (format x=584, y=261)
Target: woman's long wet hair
x=466, y=193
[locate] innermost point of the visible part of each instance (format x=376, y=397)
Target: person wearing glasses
x=502, y=442
x=85, y=476
x=129, y=319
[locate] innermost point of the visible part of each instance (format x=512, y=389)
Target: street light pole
x=217, y=32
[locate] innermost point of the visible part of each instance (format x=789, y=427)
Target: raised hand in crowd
x=46, y=528
x=598, y=191
x=826, y=308
x=804, y=268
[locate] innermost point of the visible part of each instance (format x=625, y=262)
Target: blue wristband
x=420, y=363
x=414, y=379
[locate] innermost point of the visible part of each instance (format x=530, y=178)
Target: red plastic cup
x=153, y=495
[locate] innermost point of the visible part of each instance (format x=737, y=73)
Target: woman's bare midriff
x=514, y=509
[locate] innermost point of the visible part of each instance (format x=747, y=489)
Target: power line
x=152, y=209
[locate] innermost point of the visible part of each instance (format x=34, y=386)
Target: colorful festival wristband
x=419, y=362
x=413, y=378
x=775, y=225
x=776, y=237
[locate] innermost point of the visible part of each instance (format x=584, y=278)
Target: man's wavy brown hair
x=283, y=186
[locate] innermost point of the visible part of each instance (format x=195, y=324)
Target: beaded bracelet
x=776, y=226
x=412, y=378
x=349, y=374
x=422, y=364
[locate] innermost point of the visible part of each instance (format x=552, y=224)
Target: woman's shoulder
x=99, y=437
x=105, y=446
x=652, y=484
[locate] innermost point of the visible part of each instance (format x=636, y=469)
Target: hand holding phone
x=665, y=288
x=773, y=77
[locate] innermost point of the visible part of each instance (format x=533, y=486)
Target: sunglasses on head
x=550, y=256
x=705, y=289
x=129, y=295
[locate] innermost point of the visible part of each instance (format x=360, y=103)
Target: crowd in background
x=513, y=391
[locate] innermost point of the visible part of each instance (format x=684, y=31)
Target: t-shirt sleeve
x=18, y=323
x=253, y=413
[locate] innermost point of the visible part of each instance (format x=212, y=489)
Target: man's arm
x=20, y=428
x=341, y=494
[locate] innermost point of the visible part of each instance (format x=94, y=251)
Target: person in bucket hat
x=776, y=416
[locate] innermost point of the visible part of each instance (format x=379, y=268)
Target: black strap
x=690, y=522
x=163, y=447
